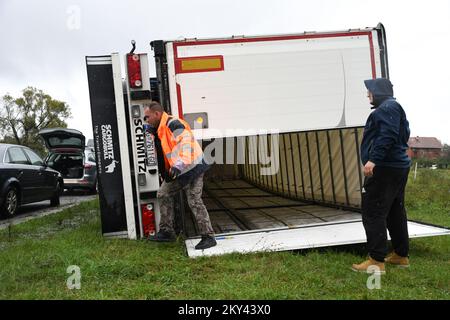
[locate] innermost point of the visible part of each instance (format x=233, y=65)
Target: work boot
x=206, y=242
x=370, y=266
x=397, y=260
x=163, y=236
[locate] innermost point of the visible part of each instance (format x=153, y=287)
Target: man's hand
x=174, y=172
x=368, y=169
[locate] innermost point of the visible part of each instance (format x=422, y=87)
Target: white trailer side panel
x=294, y=84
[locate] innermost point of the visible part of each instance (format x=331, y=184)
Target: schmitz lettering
x=108, y=149
x=140, y=145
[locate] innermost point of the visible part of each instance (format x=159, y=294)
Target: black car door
x=47, y=177
x=24, y=173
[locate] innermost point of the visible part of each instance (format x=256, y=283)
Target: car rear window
x=65, y=141
x=64, y=156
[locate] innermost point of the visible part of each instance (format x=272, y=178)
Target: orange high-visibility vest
x=180, y=146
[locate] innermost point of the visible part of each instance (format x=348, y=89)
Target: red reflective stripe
x=180, y=103
x=274, y=38
x=372, y=56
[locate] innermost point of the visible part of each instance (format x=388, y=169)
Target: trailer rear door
x=111, y=146
x=302, y=237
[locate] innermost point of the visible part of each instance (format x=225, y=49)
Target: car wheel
x=11, y=203
x=54, y=201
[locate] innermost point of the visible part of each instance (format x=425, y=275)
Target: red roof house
x=424, y=147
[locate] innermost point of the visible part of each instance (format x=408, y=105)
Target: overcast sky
x=44, y=43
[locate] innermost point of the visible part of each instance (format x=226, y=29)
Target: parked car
x=90, y=166
x=69, y=156
x=24, y=178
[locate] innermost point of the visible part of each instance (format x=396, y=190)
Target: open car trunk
x=70, y=165
x=310, y=202
x=66, y=148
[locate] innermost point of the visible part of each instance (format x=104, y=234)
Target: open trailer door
x=302, y=237
x=111, y=147
x=125, y=149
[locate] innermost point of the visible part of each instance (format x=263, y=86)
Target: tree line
x=442, y=162
x=21, y=118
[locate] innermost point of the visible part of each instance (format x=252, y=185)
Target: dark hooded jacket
x=386, y=134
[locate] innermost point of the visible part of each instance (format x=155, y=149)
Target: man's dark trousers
x=383, y=206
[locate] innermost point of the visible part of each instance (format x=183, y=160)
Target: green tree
x=22, y=118
x=444, y=160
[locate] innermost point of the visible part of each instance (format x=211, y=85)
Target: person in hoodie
x=182, y=167
x=386, y=167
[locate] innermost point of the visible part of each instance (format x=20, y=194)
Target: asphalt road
x=40, y=209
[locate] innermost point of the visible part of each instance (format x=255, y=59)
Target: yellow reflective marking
x=201, y=64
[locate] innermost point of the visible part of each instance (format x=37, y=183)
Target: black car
x=69, y=156
x=24, y=178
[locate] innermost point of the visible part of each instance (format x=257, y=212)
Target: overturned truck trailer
x=281, y=119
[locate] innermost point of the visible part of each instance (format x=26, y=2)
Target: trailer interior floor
x=237, y=206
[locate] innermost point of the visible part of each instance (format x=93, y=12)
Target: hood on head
x=380, y=88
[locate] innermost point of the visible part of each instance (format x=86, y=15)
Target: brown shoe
x=399, y=261
x=370, y=266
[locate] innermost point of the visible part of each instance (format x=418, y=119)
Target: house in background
x=424, y=147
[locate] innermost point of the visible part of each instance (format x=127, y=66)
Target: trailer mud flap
x=302, y=237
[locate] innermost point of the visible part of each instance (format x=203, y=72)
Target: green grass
x=34, y=257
